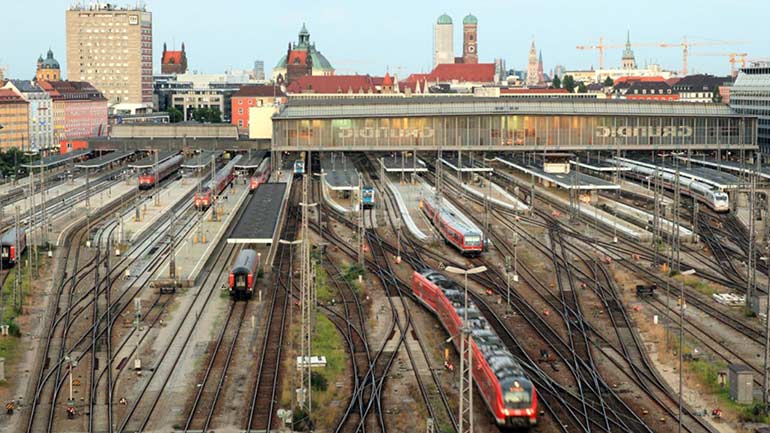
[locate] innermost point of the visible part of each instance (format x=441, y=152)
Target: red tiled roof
x=387, y=81
x=531, y=91
x=9, y=96
x=630, y=79
x=258, y=91
x=332, y=84
x=172, y=57
x=469, y=72
x=71, y=90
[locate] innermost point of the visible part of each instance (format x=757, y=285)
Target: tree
x=568, y=83
x=200, y=114
x=214, y=115
x=556, y=82
x=11, y=160
x=582, y=88
x=608, y=82
x=175, y=115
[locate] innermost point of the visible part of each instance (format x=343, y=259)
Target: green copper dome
x=444, y=19
x=470, y=19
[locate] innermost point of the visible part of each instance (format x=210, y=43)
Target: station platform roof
x=397, y=165
x=253, y=162
x=260, y=218
x=336, y=162
x=150, y=160
x=54, y=160
x=105, y=160
x=736, y=167
x=467, y=165
x=341, y=180
x=600, y=166
x=202, y=160
x=709, y=176
x=572, y=180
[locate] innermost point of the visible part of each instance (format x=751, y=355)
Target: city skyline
x=372, y=47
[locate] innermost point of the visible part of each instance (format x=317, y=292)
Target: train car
x=243, y=275
x=148, y=178
x=367, y=197
x=712, y=197
x=456, y=229
x=260, y=175
x=507, y=391
x=205, y=197
x=299, y=167
x=12, y=245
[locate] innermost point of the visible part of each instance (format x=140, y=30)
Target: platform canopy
x=105, y=160
x=202, y=160
x=260, y=218
x=149, y=162
x=55, y=160
x=571, y=180
x=253, y=162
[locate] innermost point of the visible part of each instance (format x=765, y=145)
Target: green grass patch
x=9, y=345
x=323, y=291
x=328, y=342
x=708, y=373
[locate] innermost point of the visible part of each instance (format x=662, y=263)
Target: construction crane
x=601, y=46
x=685, y=45
x=733, y=58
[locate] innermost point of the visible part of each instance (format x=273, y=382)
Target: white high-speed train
x=707, y=194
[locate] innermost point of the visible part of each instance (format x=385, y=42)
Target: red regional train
x=203, y=199
x=455, y=229
x=260, y=175
x=507, y=391
x=242, y=276
x=148, y=179
x=12, y=245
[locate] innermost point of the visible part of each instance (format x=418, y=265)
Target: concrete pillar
x=2, y=369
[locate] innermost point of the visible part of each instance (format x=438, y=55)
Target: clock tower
x=470, y=39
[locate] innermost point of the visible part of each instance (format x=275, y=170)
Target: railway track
x=264, y=395
x=211, y=386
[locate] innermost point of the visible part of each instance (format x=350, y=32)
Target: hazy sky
x=365, y=36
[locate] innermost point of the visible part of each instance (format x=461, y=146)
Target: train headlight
x=529, y=411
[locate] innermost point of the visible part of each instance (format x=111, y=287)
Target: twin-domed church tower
x=443, y=41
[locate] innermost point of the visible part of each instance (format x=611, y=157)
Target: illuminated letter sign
x=642, y=131
x=383, y=132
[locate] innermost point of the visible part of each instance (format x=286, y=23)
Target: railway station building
x=477, y=123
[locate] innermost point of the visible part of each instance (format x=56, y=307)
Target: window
x=240, y=123
x=240, y=101
x=240, y=111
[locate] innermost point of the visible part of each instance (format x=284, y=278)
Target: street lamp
x=466, y=372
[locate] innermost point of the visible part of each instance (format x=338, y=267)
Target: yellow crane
x=601, y=46
x=685, y=45
x=733, y=58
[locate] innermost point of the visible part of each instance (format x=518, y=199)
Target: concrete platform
x=408, y=197
x=644, y=219
x=590, y=212
x=51, y=194
x=497, y=194
x=464, y=165
x=150, y=213
x=636, y=189
x=202, y=160
x=192, y=254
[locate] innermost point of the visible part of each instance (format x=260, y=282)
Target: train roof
x=9, y=237
x=502, y=362
x=453, y=216
x=245, y=261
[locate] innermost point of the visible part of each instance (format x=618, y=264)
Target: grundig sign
x=384, y=132
x=644, y=131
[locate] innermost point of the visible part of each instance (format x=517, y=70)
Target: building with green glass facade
x=498, y=124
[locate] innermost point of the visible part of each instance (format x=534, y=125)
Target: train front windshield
x=240, y=280
x=5, y=252
x=517, y=396
x=473, y=241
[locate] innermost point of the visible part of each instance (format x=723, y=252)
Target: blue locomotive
x=367, y=197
